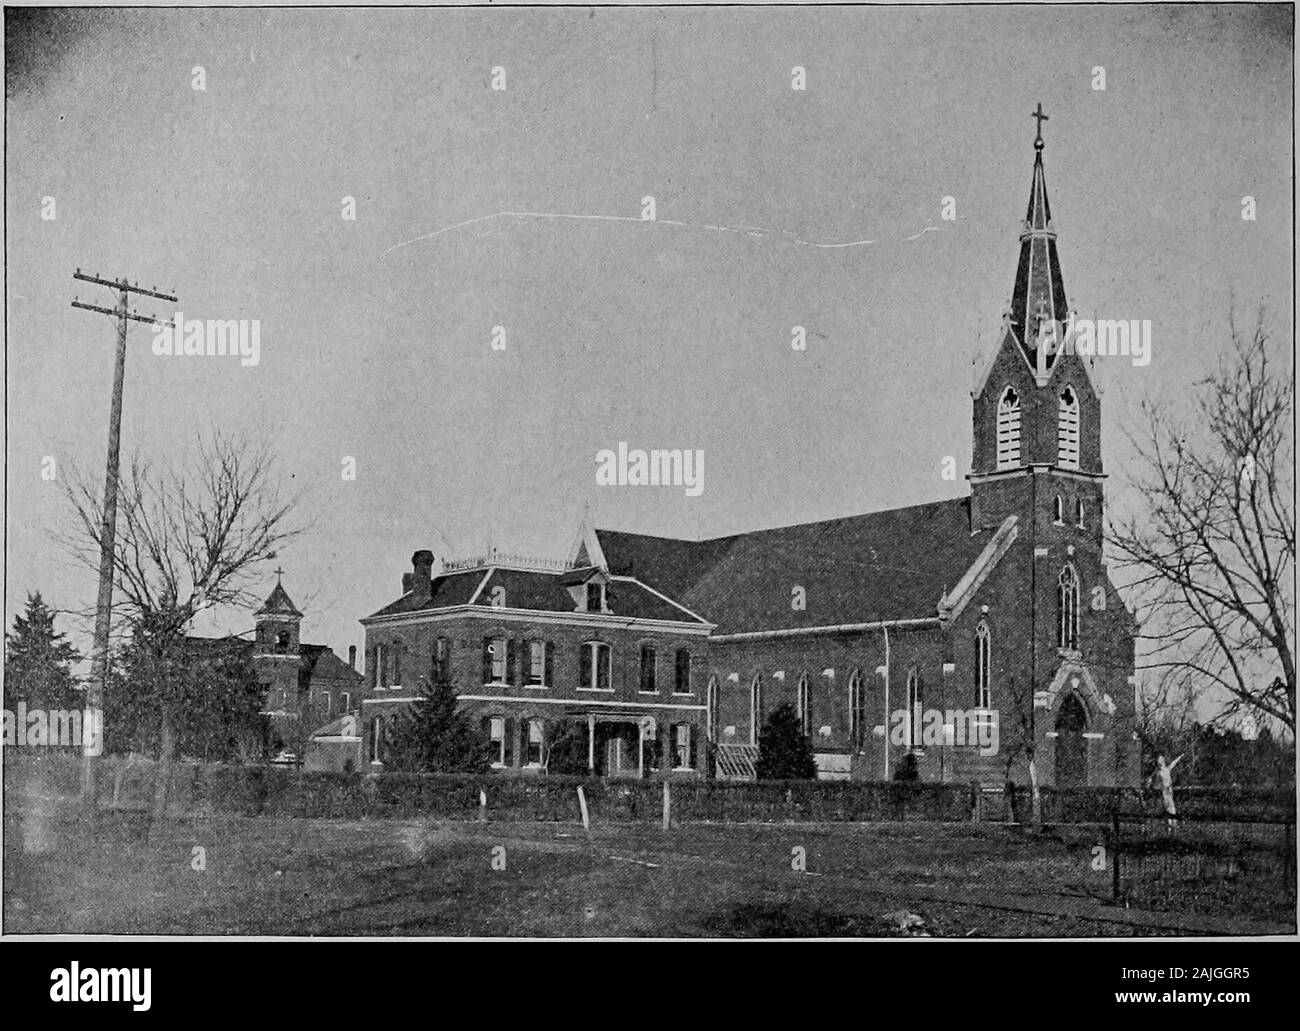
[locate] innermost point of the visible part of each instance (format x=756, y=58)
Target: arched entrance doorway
x=1071, y=746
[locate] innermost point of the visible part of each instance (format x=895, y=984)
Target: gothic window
x=711, y=709
x=1078, y=514
x=857, y=711
x=1008, y=430
x=915, y=703
x=755, y=707
x=1067, y=430
x=1058, y=511
x=804, y=705
x=983, y=691
x=1067, y=598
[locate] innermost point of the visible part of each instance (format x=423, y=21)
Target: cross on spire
x=279, y=575
x=1038, y=114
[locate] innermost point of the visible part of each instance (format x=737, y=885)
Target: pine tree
x=433, y=736
x=38, y=661
x=784, y=750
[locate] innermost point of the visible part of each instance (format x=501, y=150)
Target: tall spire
x=1039, y=293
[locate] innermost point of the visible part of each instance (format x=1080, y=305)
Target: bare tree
x=1213, y=554
x=1024, y=745
x=189, y=538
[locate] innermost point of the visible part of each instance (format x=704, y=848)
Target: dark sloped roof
x=320, y=663
x=894, y=564
x=526, y=589
x=278, y=602
x=542, y=591
x=665, y=563
x=449, y=589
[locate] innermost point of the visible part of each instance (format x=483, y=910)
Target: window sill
x=536, y=687
x=683, y=769
x=683, y=694
x=597, y=690
x=496, y=683
x=652, y=693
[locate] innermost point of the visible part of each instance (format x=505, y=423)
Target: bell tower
x=1037, y=417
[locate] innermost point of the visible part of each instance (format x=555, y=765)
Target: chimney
x=352, y=656
x=421, y=575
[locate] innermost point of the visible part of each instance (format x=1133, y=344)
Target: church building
x=960, y=638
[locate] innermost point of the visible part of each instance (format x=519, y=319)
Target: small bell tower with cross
x=277, y=622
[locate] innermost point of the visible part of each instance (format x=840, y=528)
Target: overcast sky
x=659, y=335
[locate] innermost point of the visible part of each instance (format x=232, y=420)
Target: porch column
x=591, y=742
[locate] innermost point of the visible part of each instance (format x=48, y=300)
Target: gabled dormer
x=589, y=589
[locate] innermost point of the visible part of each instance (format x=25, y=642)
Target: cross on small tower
x=1038, y=114
x=279, y=574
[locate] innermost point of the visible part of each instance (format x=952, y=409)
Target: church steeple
x=1037, y=417
x=277, y=622
x=1039, y=293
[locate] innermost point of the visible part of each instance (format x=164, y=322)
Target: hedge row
x=275, y=791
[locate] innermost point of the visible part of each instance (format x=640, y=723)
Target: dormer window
x=595, y=597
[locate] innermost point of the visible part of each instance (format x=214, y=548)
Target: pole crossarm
x=135, y=315
x=122, y=284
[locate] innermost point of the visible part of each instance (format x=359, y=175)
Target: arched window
x=711, y=703
x=1058, y=511
x=755, y=707
x=1067, y=430
x=1067, y=599
x=1078, y=514
x=915, y=705
x=377, y=739
x=804, y=705
x=1008, y=442
x=983, y=692
x=857, y=710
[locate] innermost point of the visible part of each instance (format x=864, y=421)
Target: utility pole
x=98, y=686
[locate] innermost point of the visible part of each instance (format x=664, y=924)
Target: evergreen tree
x=784, y=750
x=908, y=770
x=38, y=661
x=433, y=736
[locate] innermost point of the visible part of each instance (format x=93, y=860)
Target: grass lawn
x=427, y=877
